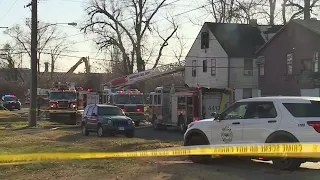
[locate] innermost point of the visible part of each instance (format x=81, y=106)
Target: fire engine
x=176, y=106
x=131, y=101
x=179, y=106
x=62, y=102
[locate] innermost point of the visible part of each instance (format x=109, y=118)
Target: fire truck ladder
x=159, y=71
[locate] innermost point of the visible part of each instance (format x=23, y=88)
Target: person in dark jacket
x=40, y=101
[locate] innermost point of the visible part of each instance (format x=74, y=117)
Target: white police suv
x=260, y=120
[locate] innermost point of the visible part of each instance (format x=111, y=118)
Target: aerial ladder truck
x=172, y=105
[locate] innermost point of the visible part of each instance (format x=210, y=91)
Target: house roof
x=238, y=40
x=313, y=25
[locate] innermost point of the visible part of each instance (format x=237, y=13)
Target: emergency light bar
x=9, y=95
x=131, y=91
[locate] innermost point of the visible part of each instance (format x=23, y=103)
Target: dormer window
x=204, y=40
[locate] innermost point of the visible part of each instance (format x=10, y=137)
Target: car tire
x=201, y=159
x=100, y=131
x=137, y=123
x=130, y=134
x=287, y=164
x=84, y=130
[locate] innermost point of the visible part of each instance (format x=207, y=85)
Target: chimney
x=46, y=67
x=253, y=22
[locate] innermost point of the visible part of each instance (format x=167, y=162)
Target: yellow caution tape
x=256, y=150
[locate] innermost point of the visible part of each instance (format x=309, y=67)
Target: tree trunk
x=306, y=9
x=272, y=4
x=52, y=66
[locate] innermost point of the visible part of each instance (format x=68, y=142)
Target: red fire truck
x=179, y=106
x=131, y=101
x=63, y=102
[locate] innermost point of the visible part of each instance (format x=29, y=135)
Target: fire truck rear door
x=211, y=103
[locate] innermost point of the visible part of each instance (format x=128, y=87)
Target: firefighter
x=40, y=101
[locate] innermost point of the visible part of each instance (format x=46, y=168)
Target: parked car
x=106, y=120
x=260, y=120
x=10, y=102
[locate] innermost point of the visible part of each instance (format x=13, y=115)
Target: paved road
x=145, y=131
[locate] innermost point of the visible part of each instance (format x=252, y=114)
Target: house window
x=194, y=68
x=261, y=69
x=213, y=67
x=289, y=64
x=315, y=61
x=247, y=93
x=248, y=66
x=204, y=40
x=307, y=65
x=204, y=66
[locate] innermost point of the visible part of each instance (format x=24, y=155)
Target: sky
x=65, y=11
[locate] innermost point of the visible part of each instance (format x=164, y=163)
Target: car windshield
x=10, y=98
x=110, y=111
x=63, y=95
x=128, y=99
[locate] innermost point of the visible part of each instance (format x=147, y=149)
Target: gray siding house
x=223, y=56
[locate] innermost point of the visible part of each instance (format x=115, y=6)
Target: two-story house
x=289, y=62
x=223, y=54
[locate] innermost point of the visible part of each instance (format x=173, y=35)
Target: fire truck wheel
x=85, y=132
x=198, y=140
x=100, y=131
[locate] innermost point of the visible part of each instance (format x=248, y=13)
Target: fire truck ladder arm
x=146, y=75
x=84, y=60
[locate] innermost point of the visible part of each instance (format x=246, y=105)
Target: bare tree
x=50, y=40
x=297, y=8
x=179, y=49
x=10, y=59
x=235, y=11
x=108, y=19
x=59, y=47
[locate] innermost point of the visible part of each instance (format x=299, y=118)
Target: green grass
x=38, y=139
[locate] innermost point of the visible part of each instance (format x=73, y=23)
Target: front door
x=229, y=126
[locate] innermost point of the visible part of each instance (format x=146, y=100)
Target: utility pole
x=34, y=59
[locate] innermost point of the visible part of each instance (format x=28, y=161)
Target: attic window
x=204, y=40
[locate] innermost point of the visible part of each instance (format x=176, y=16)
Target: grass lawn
x=16, y=139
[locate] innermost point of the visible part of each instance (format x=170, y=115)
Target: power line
x=179, y=14
x=110, y=60
x=9, y=10
x=66, y=55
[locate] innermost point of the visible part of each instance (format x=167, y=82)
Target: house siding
x=239, y=81
x=294, y=39
x=237, y=78
x=205, y=79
